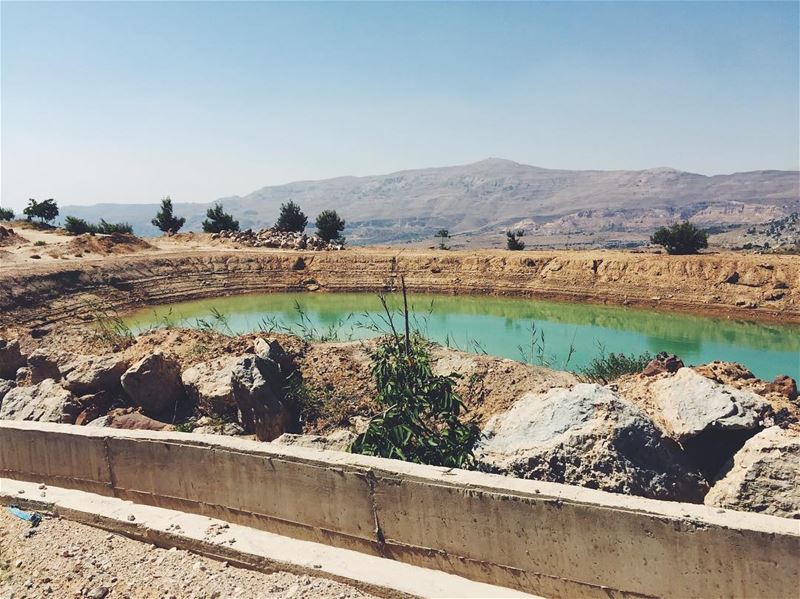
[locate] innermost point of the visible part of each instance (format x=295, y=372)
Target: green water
x=499, y=326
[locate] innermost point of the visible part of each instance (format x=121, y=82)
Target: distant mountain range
x=494, y=194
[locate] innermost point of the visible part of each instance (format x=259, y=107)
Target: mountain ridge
x=495, y=193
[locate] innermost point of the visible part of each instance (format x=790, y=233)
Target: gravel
x=60, y=558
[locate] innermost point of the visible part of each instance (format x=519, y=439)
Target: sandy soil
x=60, y=558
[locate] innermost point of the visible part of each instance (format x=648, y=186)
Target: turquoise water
x=502, y=327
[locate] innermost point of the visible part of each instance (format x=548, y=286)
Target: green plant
x=110, y=328
x=165, y=220
x=219, y=323
x=609, y=367
x=109, y=228
x=6, y=214
x=680, y=239
x=291, y=218
x=218, y=220
x=45, y=211
x=77, y=226
x=513, y=241
x=39, y=243
x=442, y=234
x=421, y=418
x=330, y=226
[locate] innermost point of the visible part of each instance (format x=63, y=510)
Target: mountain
x=494, y=194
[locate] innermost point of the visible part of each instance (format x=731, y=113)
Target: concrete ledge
x=548, y=539
x=246, y=547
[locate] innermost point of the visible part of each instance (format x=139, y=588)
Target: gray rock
x=336, y=441
x=43, y=365
x=92, y=374
x=689, y=404
x=99, y=422
x=207, y=426
x=154, y=383
x=588, y=436
x=269, y=349
x=764, y=476
x=46, y=401
x=10, y=358
x=5, y=387
x=264, y=409
x=210, y=386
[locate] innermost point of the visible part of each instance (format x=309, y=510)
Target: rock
x=10, y=358
x=154, y=383
x=269, y=349
x=98, y=593
x=263, y=406
x=588, y=436
x=764, y=476
x=336, y=441
x=131, y=420
x=5, y=387
x=99, y=422
x=210, y=386
x=783, y=385
x=732, y=278
x=663, y=362
x=46, y=401
x=207, y=426
x=91, y=374
x=690, y=404
x=43, y=366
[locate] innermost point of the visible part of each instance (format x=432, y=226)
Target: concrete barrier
x=548, y=539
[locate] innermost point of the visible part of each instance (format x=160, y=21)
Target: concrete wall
x=549, y=539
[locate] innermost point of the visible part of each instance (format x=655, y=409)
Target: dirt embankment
x=755, y=287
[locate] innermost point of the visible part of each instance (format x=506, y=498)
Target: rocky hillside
x=494, y=194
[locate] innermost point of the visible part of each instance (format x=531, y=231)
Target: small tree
x=77, y=226
x=45, y=211
x=291, y=218
x=6, y=214
x=329, y=225
x=217, y=220
x=513, y=241
x=681, y=239
x=442, y=234
x=420, y=421
x=165, y=220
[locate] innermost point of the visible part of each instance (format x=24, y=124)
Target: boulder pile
x=272, y=238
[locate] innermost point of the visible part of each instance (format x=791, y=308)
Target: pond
x=562, y=335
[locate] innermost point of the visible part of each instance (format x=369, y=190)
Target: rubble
x=272, y=238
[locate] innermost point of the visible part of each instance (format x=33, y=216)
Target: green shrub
x=609, y=367
x=329, y=225
x=513, y=241
x=443, y=234
x=109, y=228
x=78, y=226
x=291, y=218
x=680, y=239
x=39, y=243
x=217, y=220
x=420, y=421
x=6, y=214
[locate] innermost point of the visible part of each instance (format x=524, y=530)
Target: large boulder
x=264, y=408
x=46, y=401
x=154, y=384
x=43, y=365
x=210, y=386
x=689, y=404
x=10, y=358
x=588, y=436
x=92, y=374
x=764, y=476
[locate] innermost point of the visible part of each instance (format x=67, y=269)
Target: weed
x=609, y=367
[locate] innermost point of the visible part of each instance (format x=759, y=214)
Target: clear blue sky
x=127, y=102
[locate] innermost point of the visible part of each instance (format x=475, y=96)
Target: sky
x=129, y=102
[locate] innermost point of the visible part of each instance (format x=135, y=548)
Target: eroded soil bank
x=749, y=287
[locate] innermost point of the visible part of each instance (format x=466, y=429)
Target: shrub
x=217, y=220
x=513, y=240
x=291, y=218
x=420, y=422
x=77, y=226
x=6, y=214
x=329, y=225
x=607, y=368
x=680, y=239
x=39, y=243
x=109, y=228
x=442, y=234
x=45, y=211
x=165, y=220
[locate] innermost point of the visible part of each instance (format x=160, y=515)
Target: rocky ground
x=714, y=433
x=60, y=558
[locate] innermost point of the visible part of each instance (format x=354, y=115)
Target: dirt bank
x=764, y=287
